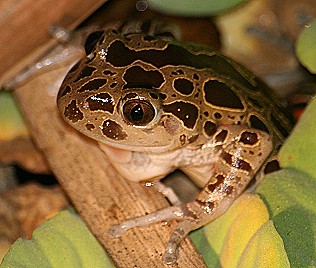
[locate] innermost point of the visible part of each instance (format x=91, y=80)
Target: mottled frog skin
x=156, y=104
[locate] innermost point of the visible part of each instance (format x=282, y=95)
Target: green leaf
x=306, y=47
x=62, y=241
x=232, y=240
x=299, y=149
x=290, y=197
x=265, y=249
x=193, y=7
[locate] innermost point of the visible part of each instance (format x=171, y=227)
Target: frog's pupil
x=137, y=113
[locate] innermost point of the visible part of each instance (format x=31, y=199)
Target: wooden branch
x=24, y=28
x=100, y=195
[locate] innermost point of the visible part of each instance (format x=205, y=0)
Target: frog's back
x=195, y=85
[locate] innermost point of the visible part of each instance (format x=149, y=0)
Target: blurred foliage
x=299, y=149
x=306, y=47
x=193, y=8
x=11, y=121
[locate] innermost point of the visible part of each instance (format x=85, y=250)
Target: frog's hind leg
x=241, y=152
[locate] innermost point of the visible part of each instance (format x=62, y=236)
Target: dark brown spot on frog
x=90, y=127
x=154, y=95
x=209, y=206
x=255, y=102
x=94, y=84
x=193, y=138
x=219, y=180
x=183, y=139
x=217, y=115
x=72, y=112
x=184, y=86
x=137, y=77
x=228, y=189
x=220, y=137
x=120, y=56
x=92, y=40
x=64, y=91
x=130, y=95
x=219, y=94
x=196, y=77
x=236, y=162
x=162, y=96
x=249, y=138
x=102, y=101
x=113, y=130
x=210, y=128
x=85, y=72
x=272, y=166
x=186, y=112
x=113, y=85
x=179, y=71
x=108, y=72
x=206, y=114
x=255, y=122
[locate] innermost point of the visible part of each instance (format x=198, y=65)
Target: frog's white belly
x=140, y=167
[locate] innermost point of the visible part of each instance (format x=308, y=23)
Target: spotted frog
x=156, y=104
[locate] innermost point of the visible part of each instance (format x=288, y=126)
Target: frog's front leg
x=240, y=153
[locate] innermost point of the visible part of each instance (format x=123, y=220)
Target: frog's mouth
x=154, y=148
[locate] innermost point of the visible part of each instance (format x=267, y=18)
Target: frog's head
x=126, y=106
x=136, y=120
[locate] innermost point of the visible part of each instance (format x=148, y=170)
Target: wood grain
x=101, y=196
x=24, y=28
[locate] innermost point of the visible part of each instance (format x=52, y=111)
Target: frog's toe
x=167, y=214
x=171, y=254
x=116, y=230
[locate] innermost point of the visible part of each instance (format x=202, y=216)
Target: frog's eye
x=138, y=112
x=92, y=40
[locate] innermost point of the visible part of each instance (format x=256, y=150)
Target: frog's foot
x=190, y=216
x=170, y=213
x=167, y=214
